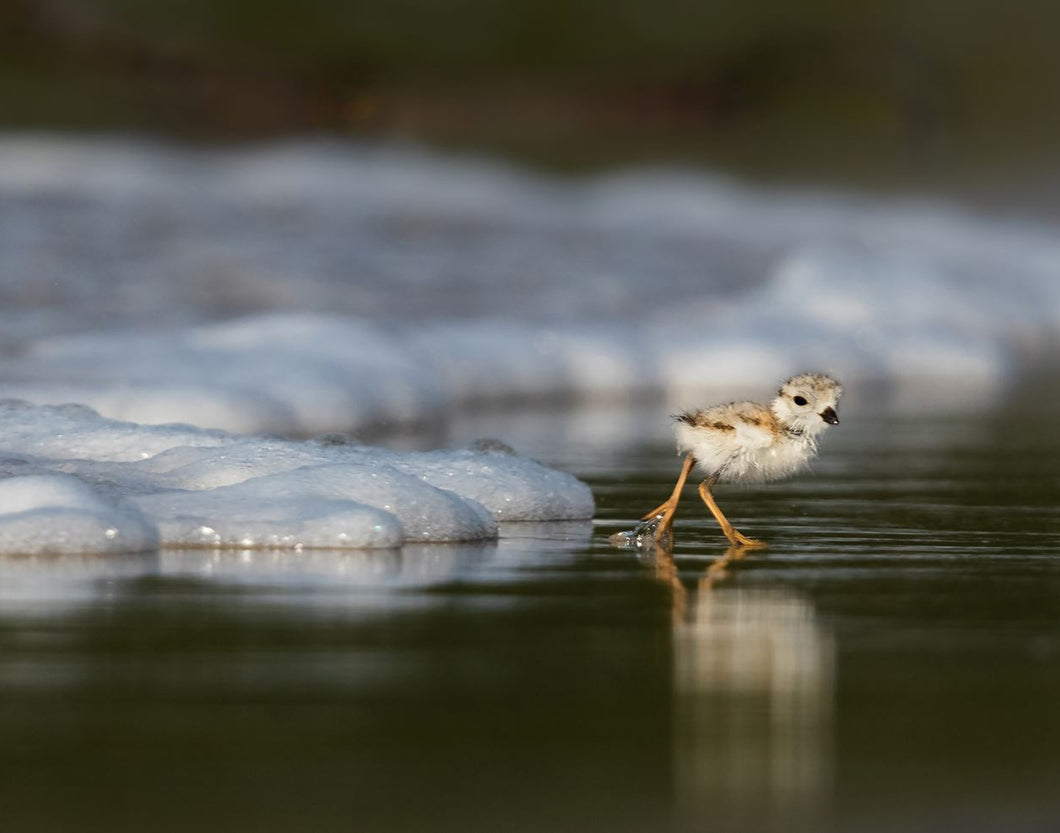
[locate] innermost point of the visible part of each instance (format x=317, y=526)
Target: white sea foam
x=304, y=288
x=72, y=481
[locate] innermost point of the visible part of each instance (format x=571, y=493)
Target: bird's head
x=806, y=403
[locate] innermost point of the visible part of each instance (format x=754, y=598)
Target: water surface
x=892, y=662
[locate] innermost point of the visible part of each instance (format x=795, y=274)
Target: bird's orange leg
x=736, y=538
x=669, y=507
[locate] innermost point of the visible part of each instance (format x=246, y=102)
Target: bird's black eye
x=799, y=400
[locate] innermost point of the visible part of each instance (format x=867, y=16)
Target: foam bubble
x=58, y=514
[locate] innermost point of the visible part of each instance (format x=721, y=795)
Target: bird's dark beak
x=829, y=416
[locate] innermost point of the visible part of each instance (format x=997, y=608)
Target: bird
x=747, y=442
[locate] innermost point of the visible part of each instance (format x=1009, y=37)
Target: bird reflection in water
x=753, y=687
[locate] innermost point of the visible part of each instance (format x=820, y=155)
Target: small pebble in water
x=487, y=445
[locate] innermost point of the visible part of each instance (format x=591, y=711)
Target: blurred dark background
x=908, y=92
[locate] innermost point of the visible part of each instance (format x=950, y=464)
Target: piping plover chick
x=745, y=442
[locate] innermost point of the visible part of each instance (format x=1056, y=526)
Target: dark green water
x=892, y=662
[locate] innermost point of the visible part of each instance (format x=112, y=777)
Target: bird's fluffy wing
x=755, y=426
